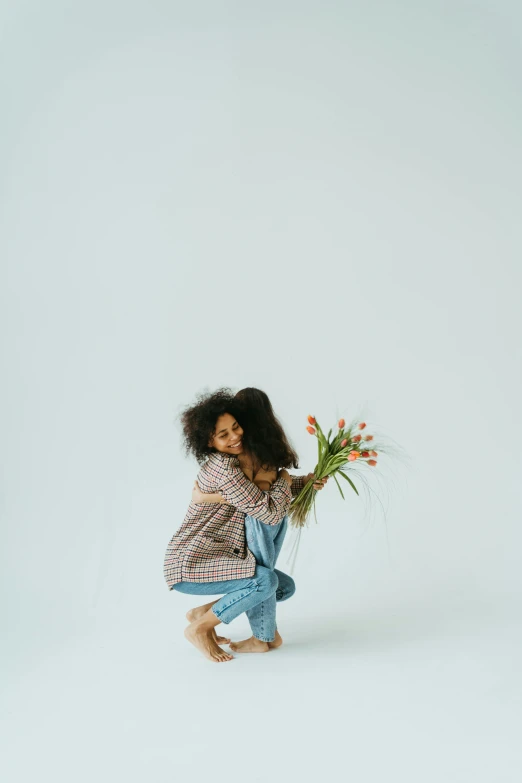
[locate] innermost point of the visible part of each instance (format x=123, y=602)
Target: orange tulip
x=311, y=430
x=369, y=437
x=353, y=455
x=344, y=442
x=372, y=462
x=341, y=423
x=357, y=438
x=362, y=425
x=311, y=419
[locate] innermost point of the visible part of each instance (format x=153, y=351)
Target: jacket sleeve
x=298, y=483
x=268, y=507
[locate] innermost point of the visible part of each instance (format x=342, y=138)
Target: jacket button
x=236, y=551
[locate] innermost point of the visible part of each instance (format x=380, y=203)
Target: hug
x=235, y=526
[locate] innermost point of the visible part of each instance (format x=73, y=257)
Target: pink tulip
x=353, y=455
x=341, y=423
x=311, y=420
x=362, y=425
x=373, y=453
x=344, y=443
x=372, y=462
x=357, y=438
x=369, y=437
x=311, y=430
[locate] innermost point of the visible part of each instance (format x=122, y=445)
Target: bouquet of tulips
x=347, y=448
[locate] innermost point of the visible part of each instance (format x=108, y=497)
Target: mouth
x=236, y=445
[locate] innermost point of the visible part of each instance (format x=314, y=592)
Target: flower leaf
x=349, y=481
x=338, y=485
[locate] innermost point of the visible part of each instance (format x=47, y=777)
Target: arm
x=217, y=498
x=206, y=497
x=298, y=483
x=268, y=507
x=237, y=490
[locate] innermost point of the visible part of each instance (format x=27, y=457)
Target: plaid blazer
x=210, y=545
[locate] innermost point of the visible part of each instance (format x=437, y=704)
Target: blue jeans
x=265, y=542
x=246, y=595
x=256, y=595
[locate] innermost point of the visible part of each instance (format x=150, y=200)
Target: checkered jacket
x=210, y=545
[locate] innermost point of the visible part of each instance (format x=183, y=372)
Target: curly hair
x=263, y=434
x=199, y=421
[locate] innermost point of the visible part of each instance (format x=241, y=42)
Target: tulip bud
x=362, y=425
x=311, y=420
x=365, y=454
x=372, y=462
x=357, y=438
x=369, y=437
x=344, y=443
x=341, y=423
x=353, y=455
x=373, y=453
x=311, y=430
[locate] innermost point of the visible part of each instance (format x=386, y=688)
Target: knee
x=267, y=580
x=289, y=587
x=286, y=588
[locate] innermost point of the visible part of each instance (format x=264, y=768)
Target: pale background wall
x=319, y=199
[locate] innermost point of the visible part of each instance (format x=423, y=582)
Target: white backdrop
x=318, y=199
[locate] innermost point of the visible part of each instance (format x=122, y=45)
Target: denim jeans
x=265, y=542
x=257, y=595
x=245, y=595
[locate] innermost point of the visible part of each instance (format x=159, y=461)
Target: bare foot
x=202, y=637
x=250, y=645
x=199, y=611
x=220, y=639
x=277, y=641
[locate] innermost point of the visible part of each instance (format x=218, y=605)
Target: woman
x=265, y=449
x=208, y=554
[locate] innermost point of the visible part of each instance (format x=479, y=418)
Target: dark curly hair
x=263, y=435
x=199, y=421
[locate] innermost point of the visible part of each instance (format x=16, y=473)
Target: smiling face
x=228, y=435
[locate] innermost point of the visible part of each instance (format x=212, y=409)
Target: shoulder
x=220, y=463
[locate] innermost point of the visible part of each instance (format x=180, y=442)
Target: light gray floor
x=427, y=692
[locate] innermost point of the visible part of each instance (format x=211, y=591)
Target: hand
x=286, y=475
x=197, y=495
x=203, y=497
x=319, y=484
